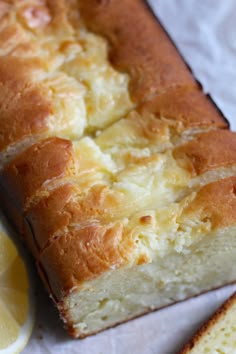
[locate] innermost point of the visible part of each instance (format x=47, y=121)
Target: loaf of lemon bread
x=218, y=334
x=117, y=170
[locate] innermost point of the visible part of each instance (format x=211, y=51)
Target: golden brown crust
x=208, y=326
x=82, y=254
x=139, y=46
x=216, y=202
x=67, y=206
x=63, y=14
x=208, y=151
x=36, y=167
x=186, y=107
x=55, y=209
x=24, y=107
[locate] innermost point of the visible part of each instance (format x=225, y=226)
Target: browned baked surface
x=154, y=65
x=217, y=202
x=209, y=151
x=92, y=250
x=31, y=171
x=58, y=209
x=208, y=326
x=186, y=108
x=62, y=210
x=21, y=98
x=140, y=46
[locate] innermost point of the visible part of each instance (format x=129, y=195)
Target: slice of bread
x=117, y=170
x=218, y=334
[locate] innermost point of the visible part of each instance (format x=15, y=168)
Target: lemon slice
x=16, y=315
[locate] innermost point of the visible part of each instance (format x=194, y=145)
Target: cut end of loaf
x=126, y=293
x=175, y=261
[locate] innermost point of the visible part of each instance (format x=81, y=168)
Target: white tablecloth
x=205, y=33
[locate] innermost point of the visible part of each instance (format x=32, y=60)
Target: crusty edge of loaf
x=207, y=326
x=92, y=14
x=208, y=95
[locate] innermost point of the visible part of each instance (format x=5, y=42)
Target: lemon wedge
x=16, y=314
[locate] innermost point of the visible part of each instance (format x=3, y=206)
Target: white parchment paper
x=205, y=33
